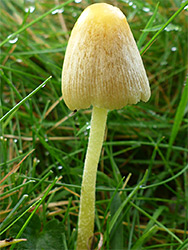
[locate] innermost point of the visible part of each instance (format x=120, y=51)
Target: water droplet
x=130, y=3
x=163, y=63
x=86, y=133
x=19, y=60
x=88, y=125
x=186, y=7
x=74, y=14
x=43, y=85
x=60, y=167
x=35, y=161
x=13, y=38
x=172, y=27
x=152, y=112
x=20, y=151
x=7, y=100
x=146, y=9
x=57, y=11
x=77, y=1
x=173, y=48
x=46, y=137
x=1, y=137
x=29, y=6
x=134, y=6
x=15, y=140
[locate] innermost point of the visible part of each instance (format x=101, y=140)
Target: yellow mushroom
x=102, y=68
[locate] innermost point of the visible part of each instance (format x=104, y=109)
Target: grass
x=142, y=181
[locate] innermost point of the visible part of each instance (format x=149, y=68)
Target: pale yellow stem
x=87, y=200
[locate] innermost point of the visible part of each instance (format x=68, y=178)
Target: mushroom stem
x=87, y=200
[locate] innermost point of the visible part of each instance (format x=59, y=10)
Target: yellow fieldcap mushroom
x=102, y=68
x=102, y=65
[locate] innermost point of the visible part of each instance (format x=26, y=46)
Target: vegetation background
x=43, y=144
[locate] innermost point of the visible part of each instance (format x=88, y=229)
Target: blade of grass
x=13, y=160
x=67, y=210
x=148, y=25
x=157, y=222
x=34, y=21
x=5, y=221
x=184, y=245
x=178, y=118
x=167, y=180
x=21, y=72
x=50, y=149
x=116, y=236
x=163, y=27
x=17, y=188
x=139, y=243
x=15, y=168
x=116, y=172
x=118, y=212
x=30, y=207
x=146, y=143
x=156, y=214
x=12, y=86
x=109, y=203
x=162, y=246
x=14, y=109
x=40, y=181
x=113, y=189
x=33, y=212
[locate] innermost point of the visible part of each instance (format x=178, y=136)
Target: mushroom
x=102, y=68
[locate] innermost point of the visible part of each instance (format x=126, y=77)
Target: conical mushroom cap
x=102, y=65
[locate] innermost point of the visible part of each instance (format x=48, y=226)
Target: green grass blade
x=13, y=160
x=118, y=212
x=178, y=118
x=139, y=243
x=112, y=197
x=35, y=21
x=163, y=27
x=33, y=212
x=119, y=189
x=157, y=222
x=116, y=236
x=40, y=181
x=148, y=25
x=67, y=211
x=169, y=179
x=13, y=211
x=17, y=188
x=21, y=72
x=156, y=214
x=183, y=246
x=30, y=207
x=14, y=109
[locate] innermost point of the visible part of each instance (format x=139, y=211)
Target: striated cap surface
x=102, y=65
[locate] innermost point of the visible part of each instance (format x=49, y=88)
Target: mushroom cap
x=102, y=65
